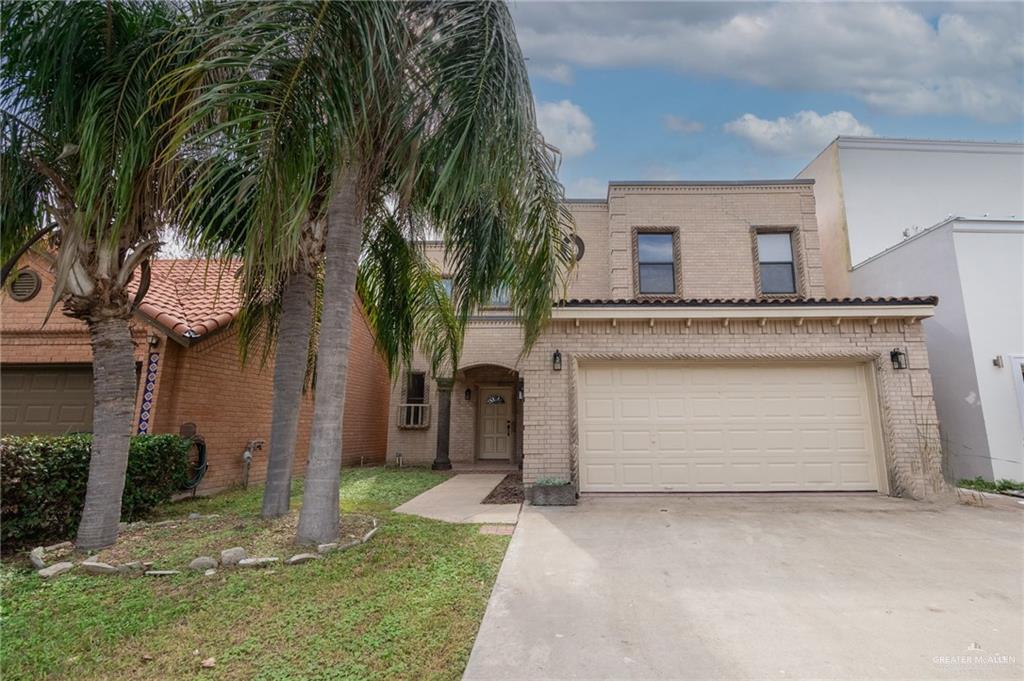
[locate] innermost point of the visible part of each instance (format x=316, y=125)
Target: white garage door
x=701, y=428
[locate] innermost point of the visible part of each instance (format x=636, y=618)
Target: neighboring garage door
x=50, y=399
x=702, y=428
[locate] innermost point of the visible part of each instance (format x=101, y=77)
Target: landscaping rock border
x=231, y=557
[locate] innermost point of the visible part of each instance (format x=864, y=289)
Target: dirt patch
x=508, y=491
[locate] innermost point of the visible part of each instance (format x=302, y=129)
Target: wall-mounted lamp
x=556, y=361
x=520, y=393
x=899, y=359
x=469, y=394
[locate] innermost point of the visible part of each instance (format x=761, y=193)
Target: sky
x=734, y=91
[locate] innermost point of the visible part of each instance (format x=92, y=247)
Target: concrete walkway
x=757, y=587
x=458, y=501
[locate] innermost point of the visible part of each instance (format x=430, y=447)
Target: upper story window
x=656, y=263
x=499, y=296
x=446, y=282
x=775, y=263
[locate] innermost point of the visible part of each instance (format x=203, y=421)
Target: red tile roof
x=191, y=298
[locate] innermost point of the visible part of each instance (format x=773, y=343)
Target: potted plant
x=553, y=492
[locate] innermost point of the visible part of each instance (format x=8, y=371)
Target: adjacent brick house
x=695, y=351
x=190, y=370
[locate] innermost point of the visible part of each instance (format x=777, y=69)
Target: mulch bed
x=508, y=491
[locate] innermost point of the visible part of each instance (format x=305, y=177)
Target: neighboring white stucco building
x=976, y=338
x=869, y=190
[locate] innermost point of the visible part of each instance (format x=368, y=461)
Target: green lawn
x=405, y=605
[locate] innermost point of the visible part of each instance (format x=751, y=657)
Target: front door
x=495, y=424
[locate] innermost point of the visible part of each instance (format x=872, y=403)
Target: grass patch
x=982, y=485
x=405, y=605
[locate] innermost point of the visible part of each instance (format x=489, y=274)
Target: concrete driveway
x=757, y=587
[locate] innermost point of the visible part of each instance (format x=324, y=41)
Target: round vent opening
x=580, y=247
x=25, y=286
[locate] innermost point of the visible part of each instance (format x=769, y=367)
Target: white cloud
x=586, y=188
x=920, y=58
x=559, y=73
x=803, y=133
x=566, y=126
x=683, y=126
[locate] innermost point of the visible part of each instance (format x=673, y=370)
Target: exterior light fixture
x=520, y=393
x=469, y=394
x=899, y=359
x=556, y=361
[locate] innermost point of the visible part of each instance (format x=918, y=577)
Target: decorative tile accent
x=147, y=397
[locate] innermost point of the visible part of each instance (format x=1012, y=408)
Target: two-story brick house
x=694, y=351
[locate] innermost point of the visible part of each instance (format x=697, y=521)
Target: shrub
x=43, y=479
x=982, y=485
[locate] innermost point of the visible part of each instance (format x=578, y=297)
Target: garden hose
x=199, y=469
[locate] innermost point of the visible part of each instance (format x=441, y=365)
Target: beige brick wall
x=715, y=223
x=909, y=423
x=489, y=345
x=717, y=261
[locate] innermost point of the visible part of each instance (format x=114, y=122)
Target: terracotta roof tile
x=191, y=298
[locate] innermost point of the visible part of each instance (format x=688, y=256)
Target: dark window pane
x=657, y=279
x=499, y=296
x=777, y=278
x=416, y=388
x=775, y=247
x=654, y=248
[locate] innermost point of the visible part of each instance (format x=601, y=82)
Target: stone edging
x=230, y=557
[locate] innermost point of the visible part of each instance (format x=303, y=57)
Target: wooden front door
x=495, y=424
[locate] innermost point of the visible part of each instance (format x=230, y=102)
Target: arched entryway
x=489, y=415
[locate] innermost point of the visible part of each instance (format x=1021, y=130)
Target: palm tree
x=489, y=187
x=426, y=103
x=84, y=163
x=286, y=87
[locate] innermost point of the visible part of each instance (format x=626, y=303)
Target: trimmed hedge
x=43, y=479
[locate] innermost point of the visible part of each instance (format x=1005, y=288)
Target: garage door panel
x=635, y=441
x=637, y=474
x=634, y=408
x=630, y=376
x=598, y=441
x=741, y=408
x=672, y=441
x=737, y=427
x=670, y=376
x=598, y=409
x=674, y=473
x=599, y=474
x=708, y=440
x=848, y=406
x=670, y=407
x=46, y=399
x=854, y=472
x=851, y=440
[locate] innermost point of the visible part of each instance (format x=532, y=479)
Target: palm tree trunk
x=114, y=387
x=290, y=358
x=318, y=519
